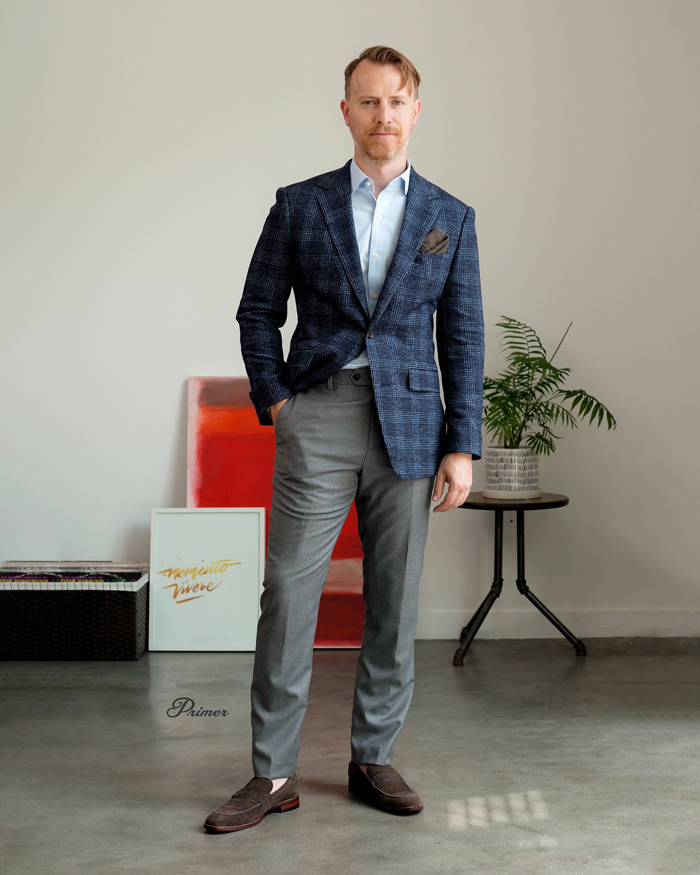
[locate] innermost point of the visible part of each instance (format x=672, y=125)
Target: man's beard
x=380, y=151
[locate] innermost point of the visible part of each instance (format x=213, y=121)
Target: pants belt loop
x=329, y=383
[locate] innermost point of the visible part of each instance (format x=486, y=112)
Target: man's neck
x=382, y=174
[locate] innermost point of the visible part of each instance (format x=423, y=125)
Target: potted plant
x=523, y=406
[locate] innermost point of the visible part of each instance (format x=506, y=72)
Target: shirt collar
x=358, y=177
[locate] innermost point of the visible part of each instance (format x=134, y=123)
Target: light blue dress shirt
x=377, y=227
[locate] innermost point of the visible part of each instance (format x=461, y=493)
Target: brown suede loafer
x=251, y=804
x=384, y=788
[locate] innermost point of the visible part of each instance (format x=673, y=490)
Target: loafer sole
x=369, y=796
x=288, y=805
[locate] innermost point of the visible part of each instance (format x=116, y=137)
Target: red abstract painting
x=229, y=464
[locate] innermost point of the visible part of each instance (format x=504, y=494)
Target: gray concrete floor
x=528, y=760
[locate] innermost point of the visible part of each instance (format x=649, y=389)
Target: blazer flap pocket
x=300, y=358
x=423, y=380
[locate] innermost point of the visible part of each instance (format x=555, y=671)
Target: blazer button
x=370, y=334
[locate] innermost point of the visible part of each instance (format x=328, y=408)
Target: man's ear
x=416, y=112
x=344, y=108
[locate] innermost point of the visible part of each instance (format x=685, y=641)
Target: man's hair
x=385, y=55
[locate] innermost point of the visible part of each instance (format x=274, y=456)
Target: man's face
x=380, y=112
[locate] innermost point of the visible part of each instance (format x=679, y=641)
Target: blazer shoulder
x=434, y=191
x=324, y=180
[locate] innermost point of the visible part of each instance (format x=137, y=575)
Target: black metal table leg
x=523, y=588
x=479, y=616
x=477, y=501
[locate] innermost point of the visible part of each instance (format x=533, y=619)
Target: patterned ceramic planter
x=511, y=473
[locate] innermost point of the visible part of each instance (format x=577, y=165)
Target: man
x=372, y=251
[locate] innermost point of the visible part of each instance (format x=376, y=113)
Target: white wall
x=142, y=142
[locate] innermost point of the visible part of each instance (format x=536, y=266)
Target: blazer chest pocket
x=423, y=380
x=429, y=267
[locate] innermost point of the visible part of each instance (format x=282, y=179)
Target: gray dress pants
x=329, y=453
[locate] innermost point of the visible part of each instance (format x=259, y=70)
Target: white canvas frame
x=209, y=599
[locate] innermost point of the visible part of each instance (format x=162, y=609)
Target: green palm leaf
x=530, y=390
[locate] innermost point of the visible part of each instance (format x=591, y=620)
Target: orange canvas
x=229, y=464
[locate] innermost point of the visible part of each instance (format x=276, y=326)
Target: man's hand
x=275, y=409
x=456, y=471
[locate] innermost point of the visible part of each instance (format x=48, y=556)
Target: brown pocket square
x=436, y=242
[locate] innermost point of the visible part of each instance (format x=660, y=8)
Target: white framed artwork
x=206, y=577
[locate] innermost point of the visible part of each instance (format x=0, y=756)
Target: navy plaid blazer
x=308, y=244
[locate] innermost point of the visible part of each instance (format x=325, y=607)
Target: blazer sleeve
x=263, y=310
x=460, y=343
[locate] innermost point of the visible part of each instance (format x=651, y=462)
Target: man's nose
x=383, y=114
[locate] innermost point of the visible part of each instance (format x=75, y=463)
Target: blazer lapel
x=335, y=197
x=420, y=215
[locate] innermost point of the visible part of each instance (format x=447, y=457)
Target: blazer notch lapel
x=420, y=215
x=336, y=206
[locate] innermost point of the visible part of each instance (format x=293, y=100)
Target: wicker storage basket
x=77, y=611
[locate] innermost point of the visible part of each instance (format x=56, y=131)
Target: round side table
x=476, y=501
